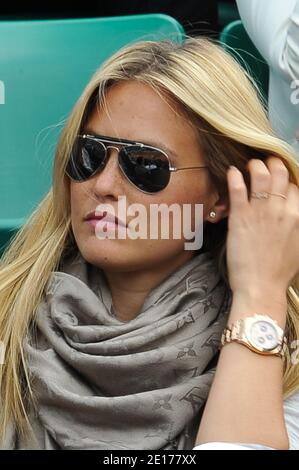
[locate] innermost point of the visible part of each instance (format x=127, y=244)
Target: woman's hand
x=263, y=235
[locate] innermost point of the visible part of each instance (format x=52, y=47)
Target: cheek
x=193, y=195
x=178, y=223
x=186, y=191
x=74, y=197
x=78, y=194
x=79, y=205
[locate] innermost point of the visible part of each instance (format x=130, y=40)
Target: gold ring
x=260, y=195
x=278, y=194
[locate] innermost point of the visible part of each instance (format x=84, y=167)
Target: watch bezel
x=245, y=334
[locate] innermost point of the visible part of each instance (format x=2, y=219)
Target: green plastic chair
x=235, y=40
x=44, y=66
x=227, y=12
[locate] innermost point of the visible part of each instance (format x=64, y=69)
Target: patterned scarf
x=101, y=383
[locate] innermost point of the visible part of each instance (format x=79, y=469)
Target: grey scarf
x=101, y=383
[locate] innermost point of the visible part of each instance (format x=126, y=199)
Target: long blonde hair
x=221, y=102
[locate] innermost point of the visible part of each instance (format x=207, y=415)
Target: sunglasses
x=148, y=168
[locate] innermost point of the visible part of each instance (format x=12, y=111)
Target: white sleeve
x=291, y=415
x=273, y=27
x=221, y=446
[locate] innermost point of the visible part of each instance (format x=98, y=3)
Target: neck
x=130, y=289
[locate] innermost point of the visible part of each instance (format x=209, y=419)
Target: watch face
x=263, y=335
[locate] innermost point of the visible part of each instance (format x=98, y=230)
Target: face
x=136, y=112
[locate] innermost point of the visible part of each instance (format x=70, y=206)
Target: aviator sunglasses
x=148, y=168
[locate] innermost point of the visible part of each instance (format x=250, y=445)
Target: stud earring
x=212, y=214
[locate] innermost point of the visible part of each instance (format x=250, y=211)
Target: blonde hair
x=221, y=102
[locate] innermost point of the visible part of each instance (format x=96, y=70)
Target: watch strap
x=232, y=334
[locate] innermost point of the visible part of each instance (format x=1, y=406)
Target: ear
x=220, y=208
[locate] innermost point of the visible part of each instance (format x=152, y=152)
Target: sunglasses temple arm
x=188, y=168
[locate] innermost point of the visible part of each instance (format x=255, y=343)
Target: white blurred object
x=273, y=27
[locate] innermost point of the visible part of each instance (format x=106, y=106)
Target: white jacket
x=273, y=27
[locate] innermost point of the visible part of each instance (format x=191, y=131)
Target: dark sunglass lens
x=146, y=168
x=86, y=158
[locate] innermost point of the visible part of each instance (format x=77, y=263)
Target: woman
x=112, y=343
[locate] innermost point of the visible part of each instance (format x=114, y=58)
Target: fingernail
x=232, y=167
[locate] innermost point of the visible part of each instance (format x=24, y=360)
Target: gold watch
x=259, y=333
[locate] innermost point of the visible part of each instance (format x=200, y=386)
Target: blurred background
x=49, y=51
x=196, y=16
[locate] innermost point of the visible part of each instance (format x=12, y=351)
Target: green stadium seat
x=227, y=12
x=44, y=66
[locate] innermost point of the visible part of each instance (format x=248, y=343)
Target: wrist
x=273, y=304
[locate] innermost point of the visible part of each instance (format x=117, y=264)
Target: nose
x=109, y=182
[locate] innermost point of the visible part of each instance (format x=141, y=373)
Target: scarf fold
x=101, y=383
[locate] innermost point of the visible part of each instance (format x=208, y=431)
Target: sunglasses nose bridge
x=107, y=148
x=107, y=162
x=112, y=147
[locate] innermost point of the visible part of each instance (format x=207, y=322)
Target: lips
x=105, y=216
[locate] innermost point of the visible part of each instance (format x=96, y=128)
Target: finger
x=279, y=179
x=260, y=178
x=238, y=195
x=293, y=198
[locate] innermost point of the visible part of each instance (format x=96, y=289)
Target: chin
x=107, y=254
x=128, y=255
